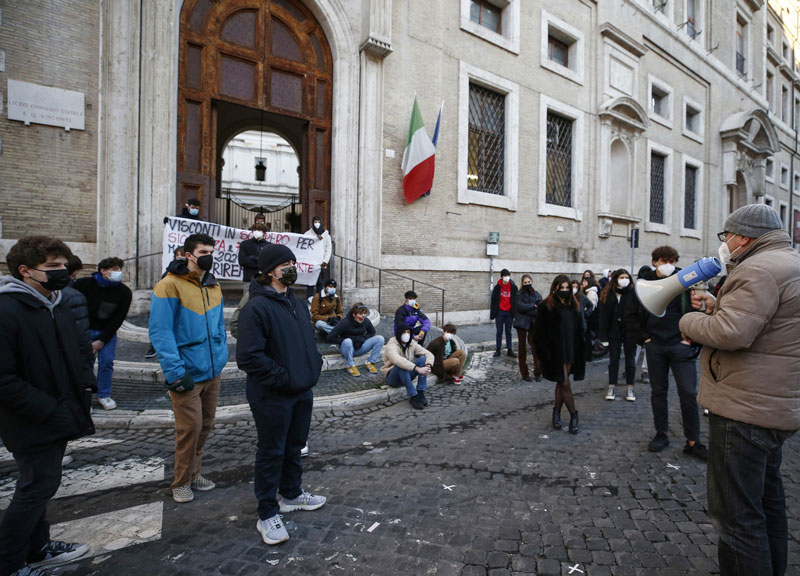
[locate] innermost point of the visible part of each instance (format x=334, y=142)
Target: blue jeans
x=282, y=424
x=105, y=364
x=503, y=321
x=324, y=326
x=398, y=377
x=372, y=345
x=678, y=358
x=746, y=501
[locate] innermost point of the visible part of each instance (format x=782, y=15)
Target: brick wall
x=48, y=176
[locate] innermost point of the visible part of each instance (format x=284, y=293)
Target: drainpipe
x=138, y=148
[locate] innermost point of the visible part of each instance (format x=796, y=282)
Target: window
x=660, y=96
x=562, y=48
x=784, y=177
x=690, y=197
x=561, y=143
x=488, y=136
x=741, y=45
x=797, y=183
x=692, y=14
x=558, y=51
x=692, y=119
x=486, y=153
x=559, y=160
x=796, y=113
x=657, y=174
x=768, y=201
x=769, y=170
x=784, y=104
x=785, y=51
x=784, y=213
x=770, y=34
x=769, y=90
x=486, y=14
x=495, y=21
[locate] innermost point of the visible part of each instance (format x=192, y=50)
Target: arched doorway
x=253, y=65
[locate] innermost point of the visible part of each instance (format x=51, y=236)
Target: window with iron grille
x=486, y=148
x=657, y=167
x=559, y=160
x=690, y=198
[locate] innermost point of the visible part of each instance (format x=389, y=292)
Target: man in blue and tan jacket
x=187, y=329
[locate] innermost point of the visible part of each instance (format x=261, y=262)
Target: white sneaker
x=304, y=450
x=610, y=395
x=272, y=530
x=306, y=501
x=630, y=396
x=67, y=459
x=202, y=484
x=182, y=494
x=107, y=403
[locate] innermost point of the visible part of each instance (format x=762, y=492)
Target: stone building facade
x=566, y=125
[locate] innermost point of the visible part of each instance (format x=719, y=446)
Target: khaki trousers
x=194, y=417
x=454, y=364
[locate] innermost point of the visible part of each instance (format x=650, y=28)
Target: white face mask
x=412, y=303
x=623, y=282
x=447, y=336
x=506, y=279
x=725, y=254
x=258, y=234
x=405, y=338
x=115, y=276
x=666, y=269
x=574, y=290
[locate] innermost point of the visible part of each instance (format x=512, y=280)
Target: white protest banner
x=307, y=249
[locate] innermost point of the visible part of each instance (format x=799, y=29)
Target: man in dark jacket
x=249, y=251
x=45, y=387
x=277, y=351
x=667, y=350
x=355, y=335
x=76, y=302
x=191, y=209
x=409, y=314
x=502, y=310
x=108, y=300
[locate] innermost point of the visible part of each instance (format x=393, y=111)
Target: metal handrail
x=381, y=272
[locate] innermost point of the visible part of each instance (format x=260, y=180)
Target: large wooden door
x=266, y=55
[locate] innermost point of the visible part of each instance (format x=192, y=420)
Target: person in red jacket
x=502, y=310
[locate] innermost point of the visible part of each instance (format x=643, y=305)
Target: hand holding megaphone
x=655, y=295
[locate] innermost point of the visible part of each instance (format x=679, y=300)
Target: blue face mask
x=331, y=291
x=194, y=211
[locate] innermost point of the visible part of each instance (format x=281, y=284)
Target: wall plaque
x=35, y=104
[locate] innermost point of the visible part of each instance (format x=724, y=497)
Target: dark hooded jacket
x=612, y=321
x=108, y=304
x=248, y=256
x=185, y=214
x=275, y=346
x=496, y=295
x=549, y=343
x=45, y=386
x=347, y=327
x=76, y=302
x=526, y=307
x=664, y=331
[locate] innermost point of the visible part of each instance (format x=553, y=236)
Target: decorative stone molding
x=608, y=30
x=378, y=26
x=748, y=138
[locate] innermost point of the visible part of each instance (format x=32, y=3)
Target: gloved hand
x=183, y=385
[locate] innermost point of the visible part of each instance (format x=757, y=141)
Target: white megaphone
x=655, y=295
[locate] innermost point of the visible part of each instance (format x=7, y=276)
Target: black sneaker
x=416, y=403
x=658, y=443
x=56, y=552
x=511, y=354
x=421, y=396
x=151, y=352
x=496, y=353
x=698, y=450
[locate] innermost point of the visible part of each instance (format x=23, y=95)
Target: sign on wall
x=307, y=249
x=35, y=104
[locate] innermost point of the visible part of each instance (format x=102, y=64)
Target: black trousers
x=25, y=529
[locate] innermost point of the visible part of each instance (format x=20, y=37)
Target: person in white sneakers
x=277, y=351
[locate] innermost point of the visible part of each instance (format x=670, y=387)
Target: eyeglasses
x=722, y=236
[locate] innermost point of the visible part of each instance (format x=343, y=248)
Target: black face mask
x=289, y=276
x=528, y=288
x=205, y=262
x=564, y=294
x=56, y=279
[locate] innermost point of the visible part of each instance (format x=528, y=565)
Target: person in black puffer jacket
x=355, y=335
x=526, y=306
x=76, y=302
x=45, y=388
x=616, y=332
x=277, y=351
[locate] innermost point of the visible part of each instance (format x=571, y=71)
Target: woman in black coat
x=559, y=343
x=616, y=333
x=526, y=306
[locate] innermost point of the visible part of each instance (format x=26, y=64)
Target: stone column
x=119, y=127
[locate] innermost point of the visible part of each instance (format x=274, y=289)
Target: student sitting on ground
x=448, y=360
x=355, y=335
x=406, y=360
x=326, y=308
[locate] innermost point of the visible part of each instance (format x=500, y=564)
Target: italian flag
x=419, y=157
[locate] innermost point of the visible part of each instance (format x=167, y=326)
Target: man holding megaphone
x=750, y=366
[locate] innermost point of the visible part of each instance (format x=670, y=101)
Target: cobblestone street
x=476, y=484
